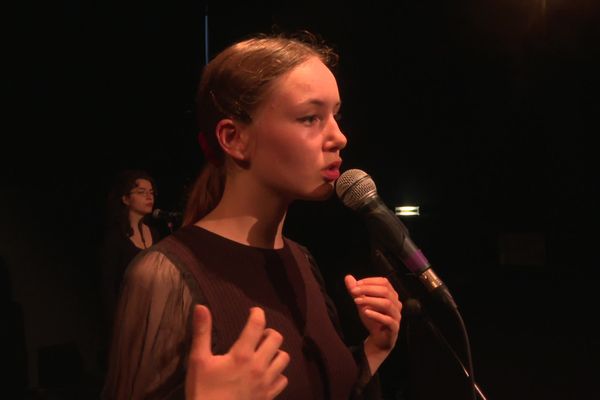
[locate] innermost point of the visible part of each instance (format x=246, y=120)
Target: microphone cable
x=414, y=307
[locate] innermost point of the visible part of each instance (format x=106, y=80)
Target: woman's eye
x=309, y=119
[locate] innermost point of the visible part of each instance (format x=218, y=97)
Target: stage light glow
x=407, y=210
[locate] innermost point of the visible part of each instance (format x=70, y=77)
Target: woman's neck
x=134, y=220
x=141, y=236
x=248, y=216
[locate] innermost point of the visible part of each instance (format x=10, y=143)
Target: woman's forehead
x=309, y=82
x=142, y=182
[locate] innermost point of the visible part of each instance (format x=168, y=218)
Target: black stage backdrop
x=481, y=112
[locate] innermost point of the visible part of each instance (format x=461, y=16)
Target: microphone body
x=356, y=189
x=166, y=215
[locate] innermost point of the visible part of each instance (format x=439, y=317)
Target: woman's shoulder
x=298, y=248
x=292, y=243
x=168, y=257
x=152, y=266
x=165, y=266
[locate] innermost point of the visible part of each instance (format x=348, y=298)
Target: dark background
x=481, y=112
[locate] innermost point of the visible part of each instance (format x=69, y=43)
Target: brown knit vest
x=321, y=366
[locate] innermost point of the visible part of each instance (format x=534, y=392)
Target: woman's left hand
x=379, y=309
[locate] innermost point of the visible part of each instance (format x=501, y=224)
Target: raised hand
x=379, y=310
x=252, y=369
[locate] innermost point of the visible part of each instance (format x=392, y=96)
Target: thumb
x=350, y=282
x=202, y=333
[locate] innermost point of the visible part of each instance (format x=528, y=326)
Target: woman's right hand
x=252, y=369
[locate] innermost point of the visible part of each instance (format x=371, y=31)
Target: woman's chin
x=322, y=192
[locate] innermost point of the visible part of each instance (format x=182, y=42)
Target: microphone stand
x=413, y=308
x=418, y=312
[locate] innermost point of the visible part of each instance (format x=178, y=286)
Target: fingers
x=350, y=282
x=251, y=335
x=269, y=347
x=269, y=357
x=375, y=287
x=278, y=386
x=380, y=305
x=371, y=290
x=376, y=299
x=275, y=370
x=259, y=349
x=251, y=369
x=202, y=333
x=384, y=319
x=374, y=280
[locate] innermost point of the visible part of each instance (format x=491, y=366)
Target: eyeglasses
x=143, y=192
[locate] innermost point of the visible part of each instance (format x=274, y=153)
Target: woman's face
x=140, y=199
x=295, y=140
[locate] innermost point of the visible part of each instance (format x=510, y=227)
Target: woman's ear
x=233, y=139
x=125, y=200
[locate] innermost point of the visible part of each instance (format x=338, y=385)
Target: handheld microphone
x=166, y=215
x=356, y=190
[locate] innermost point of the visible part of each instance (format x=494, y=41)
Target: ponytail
x=205, y=194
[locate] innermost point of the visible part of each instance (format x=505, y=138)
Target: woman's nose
x=335, y=137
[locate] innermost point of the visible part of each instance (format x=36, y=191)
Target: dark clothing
x=193, y=266
x=234, y=277
x=117, y=252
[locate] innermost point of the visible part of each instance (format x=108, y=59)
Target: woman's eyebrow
x=319, y=103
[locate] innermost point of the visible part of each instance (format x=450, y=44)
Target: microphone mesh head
x=353, y=187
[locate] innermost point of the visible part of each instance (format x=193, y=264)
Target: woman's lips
x=331, y=174
x=332, y=171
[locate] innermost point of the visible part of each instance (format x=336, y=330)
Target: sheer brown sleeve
x=151, y=336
